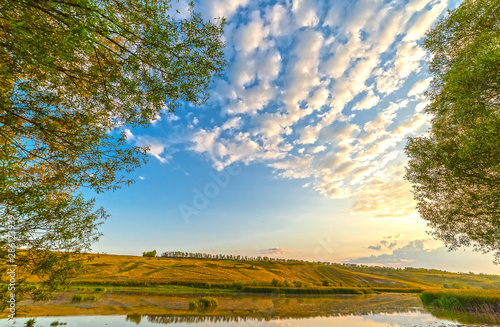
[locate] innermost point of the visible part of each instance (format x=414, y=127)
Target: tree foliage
x=149, y=254
x=455, y=168
x=72, y=73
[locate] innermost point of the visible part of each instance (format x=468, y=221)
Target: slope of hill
x=141, y=271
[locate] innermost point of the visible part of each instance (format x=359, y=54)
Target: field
x=115, y=284
x=234, y=275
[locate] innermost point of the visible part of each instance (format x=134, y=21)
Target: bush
x=297, y=283
x=83, y=297
x=276, y=283
x=30, y=322
x=77, y=298
x=203, y=304
x=90, y=298
x=237, y=285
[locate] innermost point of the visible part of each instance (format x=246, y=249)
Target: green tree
x=149, y=254
x=72, y=74
x=455, y=168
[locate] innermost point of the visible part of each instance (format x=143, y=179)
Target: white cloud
x=309, y=134
x=302, y=72
x=412, y=126
x=420, y=87
x=416, y=5
x=318, y=99
x=294, y=167
x=290, y=79
x=279, y=20
x=385, y=195
x=305, y=13
x=219, y=8
x=369, y=101
x=385, y=118
x=249, y=37
x=171, y=117
x=421, y=106
x=317, y=149
x=269, y=67
x=424, y=22
x=252, y=99
x=204, y=140
x=156, y=147
x=128, y=134
x=232, y=123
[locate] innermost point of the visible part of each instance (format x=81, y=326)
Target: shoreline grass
x=485, y=301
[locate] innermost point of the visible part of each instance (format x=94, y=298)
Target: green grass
x=463, y=300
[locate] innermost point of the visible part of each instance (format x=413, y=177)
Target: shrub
x=203, y=304
x=77, y=298
x=90, y=297
x=237, y=285
x=30, y=322
x=297, y=283
x=276, y=283
x=82, y=297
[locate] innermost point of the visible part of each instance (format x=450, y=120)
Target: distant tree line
x=360, y=267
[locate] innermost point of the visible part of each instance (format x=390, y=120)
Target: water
x=406, y=319
x=385, y=310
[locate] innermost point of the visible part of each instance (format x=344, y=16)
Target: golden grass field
x=140, y=271
x=133, y=285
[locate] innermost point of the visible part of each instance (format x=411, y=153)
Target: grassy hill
x=117, y=270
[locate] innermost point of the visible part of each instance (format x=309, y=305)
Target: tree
x=72, y=74
x=455, y=168
x=149, y=254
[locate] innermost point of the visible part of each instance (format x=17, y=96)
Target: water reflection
x=408, y=319
x=364, y=311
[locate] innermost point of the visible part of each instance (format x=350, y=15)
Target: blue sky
x=299, y=151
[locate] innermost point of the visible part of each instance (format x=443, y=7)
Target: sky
x=299, y=152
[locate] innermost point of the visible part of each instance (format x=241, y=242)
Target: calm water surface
x=372, y=320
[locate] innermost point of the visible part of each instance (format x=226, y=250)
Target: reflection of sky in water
x=377, y=320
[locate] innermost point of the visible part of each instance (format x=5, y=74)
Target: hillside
x=141, y=271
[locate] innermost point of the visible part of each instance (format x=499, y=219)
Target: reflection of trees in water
x=191, y=319
x=297, y=308
x=166, y=319
x=134, y=318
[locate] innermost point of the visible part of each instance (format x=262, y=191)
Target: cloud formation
x=417, y=254
x=321, y=95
